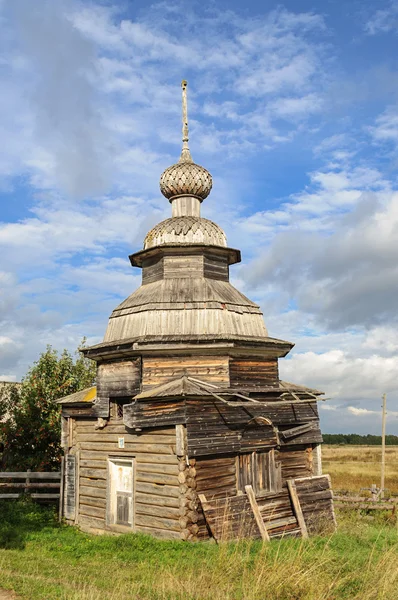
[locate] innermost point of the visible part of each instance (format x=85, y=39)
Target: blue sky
x=293, y=109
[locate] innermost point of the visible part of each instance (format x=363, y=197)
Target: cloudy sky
x=293, y=109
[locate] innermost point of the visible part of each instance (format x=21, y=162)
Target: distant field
x=354, y=467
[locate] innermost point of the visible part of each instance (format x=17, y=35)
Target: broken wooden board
x=230, y=518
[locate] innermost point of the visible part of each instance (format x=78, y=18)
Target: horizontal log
x=99, y=463
x=157, y=523
x=206, y=474
x=89, y=500
x=93, y=483
x=92, y=522
x=91, y=511
x=112, y=448
x=157, y=490
x=144, y=467
x=95, y=473
x=141, y=498
x=30, y=475
x=157, y=478
x=100, y=436
x=92, y=492
x=166, y=512
x=166, y=534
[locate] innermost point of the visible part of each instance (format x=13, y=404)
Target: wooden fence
x=365, y=503
x=40, y=486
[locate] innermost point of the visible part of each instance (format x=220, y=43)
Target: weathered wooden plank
x=256, y=512
x=297, y=507
x=70, y=487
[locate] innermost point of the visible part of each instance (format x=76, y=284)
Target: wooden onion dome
x=186, y=294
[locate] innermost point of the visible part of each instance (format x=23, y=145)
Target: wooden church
x=189, y=433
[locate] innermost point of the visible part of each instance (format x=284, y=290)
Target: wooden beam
x=297, y=507
x=257, y=514
x=25, y=474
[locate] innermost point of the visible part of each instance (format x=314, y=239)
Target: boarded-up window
x=260, y=470
x=120, y=495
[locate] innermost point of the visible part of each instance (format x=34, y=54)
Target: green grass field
x=39, y=559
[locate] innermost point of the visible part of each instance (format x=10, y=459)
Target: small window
x=120, y=492
x=260, y=470
x=117, y=407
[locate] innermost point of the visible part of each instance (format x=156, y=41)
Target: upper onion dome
x=185, y=178
x=185, y=230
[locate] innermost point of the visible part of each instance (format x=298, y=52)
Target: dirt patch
x=5, y=595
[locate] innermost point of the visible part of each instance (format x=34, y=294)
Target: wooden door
x=120, y=492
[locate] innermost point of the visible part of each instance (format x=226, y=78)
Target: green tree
x=31, y=432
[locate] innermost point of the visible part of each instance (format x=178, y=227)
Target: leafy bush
x=31, y=433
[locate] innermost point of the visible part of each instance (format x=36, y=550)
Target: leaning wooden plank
x=297, y=507
x=205, y=505
x=256, y=512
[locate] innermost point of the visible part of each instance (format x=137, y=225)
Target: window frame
x=111, y=503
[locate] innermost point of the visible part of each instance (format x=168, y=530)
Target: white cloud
x=360, y=412
x=383, y=20
x=386, y=126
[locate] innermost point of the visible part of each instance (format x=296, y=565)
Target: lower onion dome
x=184, y=231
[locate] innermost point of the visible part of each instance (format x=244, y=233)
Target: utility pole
x=383, y=445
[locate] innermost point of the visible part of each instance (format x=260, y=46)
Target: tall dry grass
x=358, y=562
x=356, y=467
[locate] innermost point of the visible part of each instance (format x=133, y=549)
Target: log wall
x=156, y=494
x=296, y=461
x=253, y=372
x=156, y=371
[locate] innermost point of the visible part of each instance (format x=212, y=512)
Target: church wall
x=156, y=485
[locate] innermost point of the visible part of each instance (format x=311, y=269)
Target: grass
x=42, y=560
x=355, y=467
